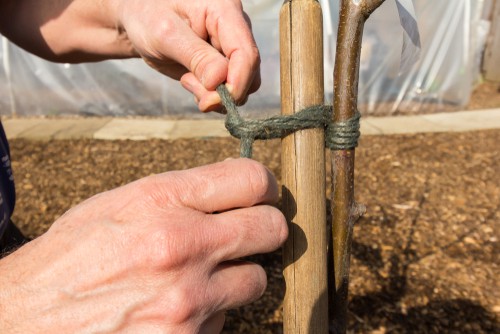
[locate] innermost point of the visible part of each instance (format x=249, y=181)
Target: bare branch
x=371, y=5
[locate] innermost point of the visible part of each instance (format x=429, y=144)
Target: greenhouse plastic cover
x=452, y=39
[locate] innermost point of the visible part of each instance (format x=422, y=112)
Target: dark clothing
x=7, y=189
x=10, y=236
x=11, y=240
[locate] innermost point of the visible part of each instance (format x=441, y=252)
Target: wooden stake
x=303, y=167
x=345, y=212
x=492, y=51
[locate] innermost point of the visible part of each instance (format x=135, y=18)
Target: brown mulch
x=485, y=96
x=425, y=255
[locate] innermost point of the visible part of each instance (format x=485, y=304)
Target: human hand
x=201, y=42
x=159, y=255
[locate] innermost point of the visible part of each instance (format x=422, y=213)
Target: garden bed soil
x=425, y=255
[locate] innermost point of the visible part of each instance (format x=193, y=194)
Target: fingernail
x=210, y=102
x=214, y=99
x=230, y=88
x=187, y=86
x=228, y=159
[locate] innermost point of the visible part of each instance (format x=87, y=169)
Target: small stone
x=470, y=241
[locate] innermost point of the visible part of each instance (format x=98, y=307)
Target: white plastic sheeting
x=452, y=36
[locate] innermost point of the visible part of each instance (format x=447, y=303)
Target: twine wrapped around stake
x=338, y=135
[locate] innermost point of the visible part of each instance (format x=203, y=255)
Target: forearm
x=202, y=43
x=65, y=30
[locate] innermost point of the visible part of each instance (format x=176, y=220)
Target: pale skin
x=149, y=257
x=159, y=255
x=202, y=43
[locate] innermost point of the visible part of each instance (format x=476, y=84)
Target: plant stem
x=345, y=211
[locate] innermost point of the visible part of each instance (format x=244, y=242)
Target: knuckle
x=245, y=232
x=208, y=65
x=165, y=30
x=225, y=4
x=162, y=190
x=176, y=245
x=261, y=182
x=267, y=224
x=182, y=305
x=247, y=19
x=196, y=63
x=255, y=58
x=163, y=255
x=238, y=4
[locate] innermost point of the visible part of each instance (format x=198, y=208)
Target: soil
x=425, y=255
x=486, y=95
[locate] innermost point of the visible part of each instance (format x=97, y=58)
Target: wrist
x=93, y=32
x=66, y=31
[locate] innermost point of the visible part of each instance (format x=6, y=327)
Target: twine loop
x=338, y=135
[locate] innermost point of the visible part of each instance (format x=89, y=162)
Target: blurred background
x=454, y=35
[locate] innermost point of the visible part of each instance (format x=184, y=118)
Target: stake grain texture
x=303, y=167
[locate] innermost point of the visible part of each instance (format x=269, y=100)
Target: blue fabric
x=7, y=188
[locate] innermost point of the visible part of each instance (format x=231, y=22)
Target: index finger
x=236, y=183
x=232, y=33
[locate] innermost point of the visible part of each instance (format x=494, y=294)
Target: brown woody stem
x=345, y=211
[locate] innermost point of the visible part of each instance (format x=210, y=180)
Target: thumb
x=208, y=65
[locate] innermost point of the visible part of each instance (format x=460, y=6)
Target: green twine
x=338, y=136
x=343, y=135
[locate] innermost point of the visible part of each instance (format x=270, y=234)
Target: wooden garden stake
x=303, y=167
x=345, y=212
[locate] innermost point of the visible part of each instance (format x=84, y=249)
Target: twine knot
x=338, y=135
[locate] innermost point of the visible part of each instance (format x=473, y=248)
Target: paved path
x=141, y=129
